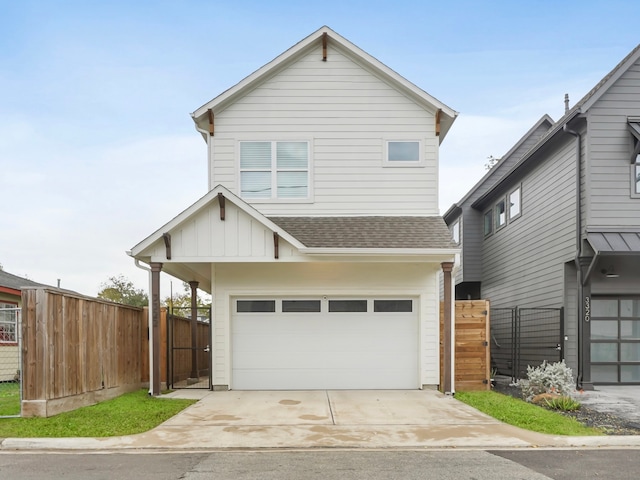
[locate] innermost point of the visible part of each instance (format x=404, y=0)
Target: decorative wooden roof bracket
x=438, y=114
x=276, y=245
x=210, y=112
x=167, y=244
x=324, y=47
x=221, y=204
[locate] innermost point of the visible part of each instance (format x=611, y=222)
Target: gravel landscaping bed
x=610, y=424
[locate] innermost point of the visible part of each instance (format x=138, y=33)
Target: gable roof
x=250, y=82
x=16, y=283
x=210, y=197
x=368, y=232
x=580, y=108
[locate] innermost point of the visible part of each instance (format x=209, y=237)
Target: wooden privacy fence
x=77, y=350
x=472, y=354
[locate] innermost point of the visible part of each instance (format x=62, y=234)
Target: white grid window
x=274, y=170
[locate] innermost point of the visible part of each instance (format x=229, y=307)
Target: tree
x=121, y=290
x=491, y=162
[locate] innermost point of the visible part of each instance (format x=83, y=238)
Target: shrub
x=565, y=404
x=554, y=378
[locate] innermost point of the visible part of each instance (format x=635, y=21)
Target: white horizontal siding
x=346, y=114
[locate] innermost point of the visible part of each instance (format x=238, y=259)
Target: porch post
x=194, y=333
x=447, y=388
x=156, y=268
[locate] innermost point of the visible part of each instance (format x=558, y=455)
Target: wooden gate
x=472, y=353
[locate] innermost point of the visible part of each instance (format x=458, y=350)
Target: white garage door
x=307, y=344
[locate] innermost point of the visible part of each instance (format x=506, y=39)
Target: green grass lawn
x=127, y=414
x=525, y=415
x=9, y=398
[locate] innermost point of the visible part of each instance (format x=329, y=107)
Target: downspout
x=147, y=269
x=578, y=256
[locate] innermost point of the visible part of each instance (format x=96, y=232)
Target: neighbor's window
x=403, y=153
x=501, y=214
x=514, y=204
x=636, y=176
x=488, y=222
x=455, y=231
x=274, y=170
x=9, y=322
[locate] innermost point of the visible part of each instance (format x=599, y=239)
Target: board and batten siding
x=610, y=148
x=347, y=280
x=347, y=114
x=523, y=263
x=205, y=237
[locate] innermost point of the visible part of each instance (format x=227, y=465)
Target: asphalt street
x=525, y=464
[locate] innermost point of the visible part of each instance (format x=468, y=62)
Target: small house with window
x=320, y=238
x=10, y=307
x=556, y=224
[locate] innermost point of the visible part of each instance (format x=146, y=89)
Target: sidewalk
x=319, y=419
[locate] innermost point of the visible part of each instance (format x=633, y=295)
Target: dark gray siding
x=523, y=263
x=610, y=203
x=473, y=237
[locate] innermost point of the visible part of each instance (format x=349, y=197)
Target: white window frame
x=490, y=224
x=635, y=178
x=496, y=216
x=419, y=162
x=456, y=231
x=274, y=172
x=513, y=216
x=10, y=308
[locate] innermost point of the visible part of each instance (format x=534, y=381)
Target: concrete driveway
x=324, y=419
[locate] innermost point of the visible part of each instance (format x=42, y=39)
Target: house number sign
x=587, y=309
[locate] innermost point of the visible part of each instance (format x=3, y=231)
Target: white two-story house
x=320, y=238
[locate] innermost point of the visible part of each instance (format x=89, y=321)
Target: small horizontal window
x=306, y=306
x=347, y=305
x=392, y=305
x=256, y=306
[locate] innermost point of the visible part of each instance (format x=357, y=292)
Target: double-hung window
x=274, y=170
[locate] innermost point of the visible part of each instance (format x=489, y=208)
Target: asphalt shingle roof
x=368, y=232
x=13, y=281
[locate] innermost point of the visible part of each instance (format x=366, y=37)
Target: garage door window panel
x=256, y=306
x=393, y=306
x=301, y=306
x=347, y=306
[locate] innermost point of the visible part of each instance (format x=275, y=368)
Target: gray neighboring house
x=556, y=223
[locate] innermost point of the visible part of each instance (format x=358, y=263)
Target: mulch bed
x=610, y=424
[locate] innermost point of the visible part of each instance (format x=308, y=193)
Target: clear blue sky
x=97, y=149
